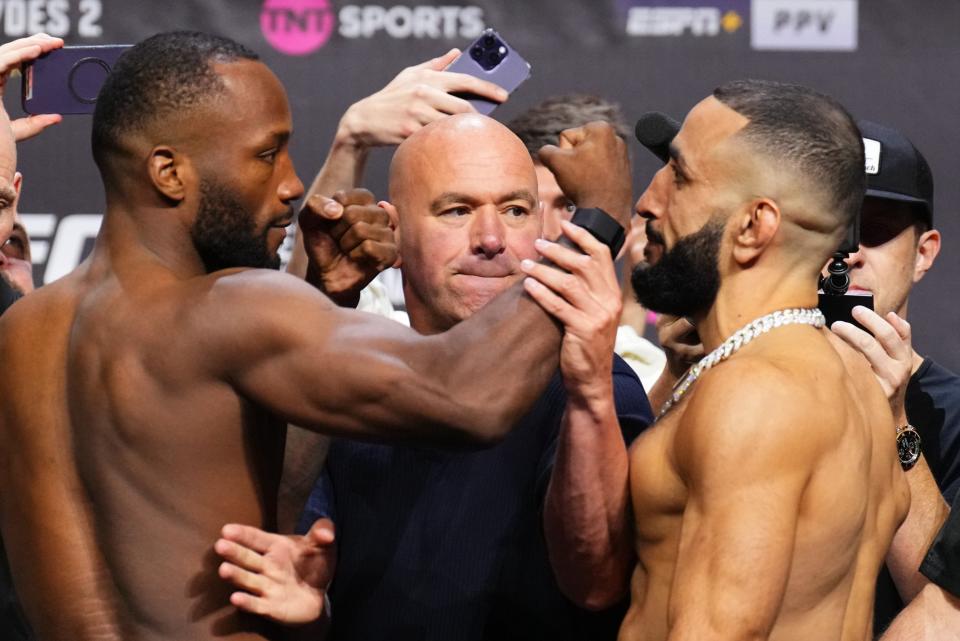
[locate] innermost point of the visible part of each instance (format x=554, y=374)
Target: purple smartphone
x=489, y=57
x=67, y=80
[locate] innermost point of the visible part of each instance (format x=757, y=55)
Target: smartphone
x=839, y=308
x=490, y=58
x=67, y=80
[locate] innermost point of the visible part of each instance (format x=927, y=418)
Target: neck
x=154, y=234
x=632, y=312
x=746, y=296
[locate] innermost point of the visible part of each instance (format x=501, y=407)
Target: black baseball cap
x=896, y=170
x=656, y=131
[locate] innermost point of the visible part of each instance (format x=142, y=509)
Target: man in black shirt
x=898, y=245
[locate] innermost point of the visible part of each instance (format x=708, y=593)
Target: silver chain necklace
x=798, y=316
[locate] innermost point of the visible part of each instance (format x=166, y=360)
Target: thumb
x=441, y=62
x=324, y=207
x=321, y=533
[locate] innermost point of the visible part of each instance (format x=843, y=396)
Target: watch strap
x=601, y=226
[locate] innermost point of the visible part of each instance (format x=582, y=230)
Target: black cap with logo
x=896, y=170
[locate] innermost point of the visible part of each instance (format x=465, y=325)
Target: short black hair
x=162, y=76
x=541, y=124
x=807, y=131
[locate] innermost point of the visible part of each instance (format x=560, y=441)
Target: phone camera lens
x=489, y=41
x=476, y=53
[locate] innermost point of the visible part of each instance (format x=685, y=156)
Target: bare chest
x=658, y=494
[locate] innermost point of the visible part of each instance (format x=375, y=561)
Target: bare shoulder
x=754, y=407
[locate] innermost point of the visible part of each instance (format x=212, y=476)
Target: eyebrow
x=9, y=194
x=677, y=156
x=449, y=198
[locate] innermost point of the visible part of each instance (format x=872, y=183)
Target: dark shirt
x=12, y=622
x=450, y=545
x=8, y=295
x=942, y=563
x=933, y=408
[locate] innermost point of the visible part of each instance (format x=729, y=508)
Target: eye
x=570, y=207
x=516, y=211
x=268, y=156
x=678, y=178
x=455, y=212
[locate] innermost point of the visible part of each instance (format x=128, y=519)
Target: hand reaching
x=586, y=299
x=281, y=577
x=417, y=96
x=887, y=348
x=12, y=56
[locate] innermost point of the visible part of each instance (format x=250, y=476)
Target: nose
x=291, y=187
x=651, y=203
x=487, y=233
x=856, y=259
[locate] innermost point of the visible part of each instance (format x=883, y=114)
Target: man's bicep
x=339, y=372
x=734, y=558
x=746, y=472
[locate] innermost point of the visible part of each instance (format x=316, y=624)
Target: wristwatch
x=908, y=446
x=601, y=226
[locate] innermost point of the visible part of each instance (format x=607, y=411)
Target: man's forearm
x=934, y=615
x=927, y=513
x=586, y=510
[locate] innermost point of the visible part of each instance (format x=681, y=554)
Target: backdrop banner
x=888, y=61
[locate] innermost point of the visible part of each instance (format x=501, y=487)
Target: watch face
x=908, y=447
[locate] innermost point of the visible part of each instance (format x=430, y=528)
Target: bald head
x=8, y=169
x=452, y=146
x=464, y=198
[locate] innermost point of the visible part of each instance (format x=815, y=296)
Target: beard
x=686, y=279
x=225, y=234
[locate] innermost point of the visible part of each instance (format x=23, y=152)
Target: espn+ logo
x=300, y=27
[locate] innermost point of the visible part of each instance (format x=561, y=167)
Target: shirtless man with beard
x=767, y=494
x=144, y=397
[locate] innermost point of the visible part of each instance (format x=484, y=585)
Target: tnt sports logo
x=300, y=27
x=296, y=27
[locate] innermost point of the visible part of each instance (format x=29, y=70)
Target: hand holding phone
x=12, y=56
x=490, y=58
x=417, y=96
x=68, y=80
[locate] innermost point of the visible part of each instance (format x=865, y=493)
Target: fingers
x=587, y=287
x=570, y=138
x=453, y=82
x=13, y=54
x=356, y=196
x=439, y=63
x=551, y=155
x=884, y=332
x=249, y=537
x=901, y=325
x=24, y=128
x=239, y=555
x=255, y=583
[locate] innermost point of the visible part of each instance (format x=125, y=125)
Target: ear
x=169, y=172
x=756, y=228
x=17, y=186
x=394, y=225
x=928, y=246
